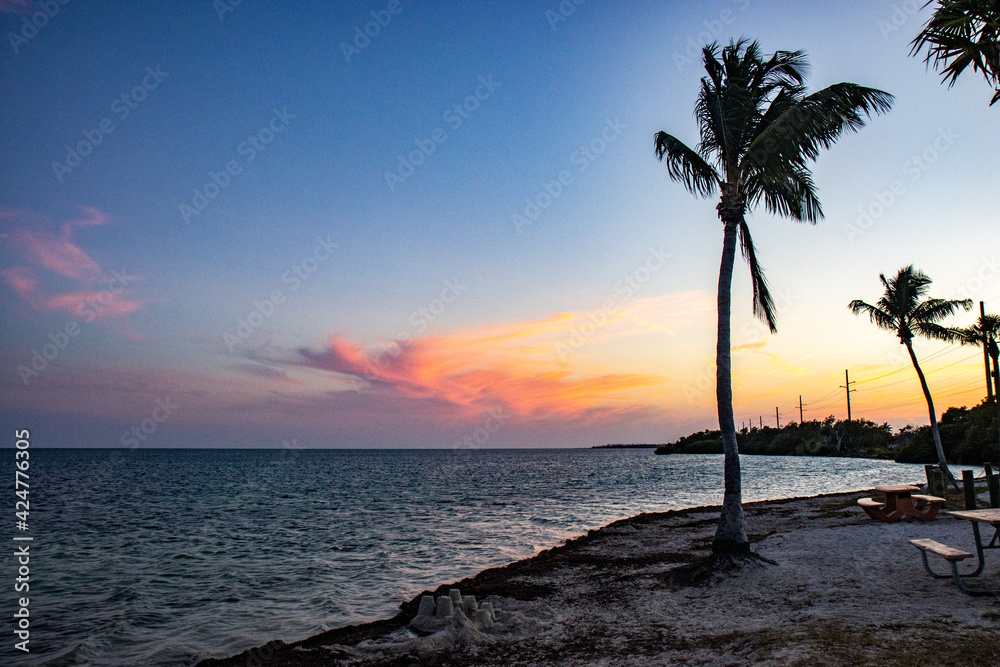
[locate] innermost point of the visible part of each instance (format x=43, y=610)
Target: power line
x=930, y=357
x=926, y=373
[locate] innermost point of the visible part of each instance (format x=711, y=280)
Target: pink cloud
x=16, y=6
x=59, y=254
x=20, y=280
x=90, y=305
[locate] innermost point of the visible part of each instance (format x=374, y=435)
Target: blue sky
x=310, y=128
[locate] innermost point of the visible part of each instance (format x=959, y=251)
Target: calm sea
x=163, y=557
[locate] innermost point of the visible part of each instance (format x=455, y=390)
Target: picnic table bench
x=989, y=517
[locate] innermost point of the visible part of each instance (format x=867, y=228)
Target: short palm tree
x=758, y=132
x=984, y=333
x=903, y=310
x=962, y=33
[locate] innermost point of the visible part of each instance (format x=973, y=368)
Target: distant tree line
x=968, y=435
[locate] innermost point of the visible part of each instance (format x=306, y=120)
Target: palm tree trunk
x=731, y=534
x=996, y=380
x=938, y=447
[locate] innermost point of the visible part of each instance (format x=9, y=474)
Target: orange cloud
x=471, y=372
x=515, y=365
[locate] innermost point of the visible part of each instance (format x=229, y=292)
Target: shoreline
x=566, y=604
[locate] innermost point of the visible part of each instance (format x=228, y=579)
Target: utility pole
x=986, y=353
x=848, y=389
x=801, y=418
x=761, y=421
x=777, y=421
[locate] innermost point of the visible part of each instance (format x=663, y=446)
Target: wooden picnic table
x=901, y=500
x=989, y=517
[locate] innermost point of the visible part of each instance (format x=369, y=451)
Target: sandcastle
x=453, y=609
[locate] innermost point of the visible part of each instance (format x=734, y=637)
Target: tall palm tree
x=758, y=130
x=984, y=333
x=903, y=310
x=963, y=33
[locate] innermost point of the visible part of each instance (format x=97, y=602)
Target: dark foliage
x=969, y=437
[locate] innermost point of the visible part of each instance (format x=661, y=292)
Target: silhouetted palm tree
x=758, y=131
x=963, y=33
x=904, y=311
x=984, y=333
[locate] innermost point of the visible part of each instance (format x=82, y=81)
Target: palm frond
x=881, y=318
x=986, y=327
x=813, y=123
x=960, y=34
x=791, y=194
x=903, y=309
x=685, y=165
x=763, y=304
x=934, y=310
x=933, y=330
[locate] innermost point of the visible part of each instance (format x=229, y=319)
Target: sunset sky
x=257, y=225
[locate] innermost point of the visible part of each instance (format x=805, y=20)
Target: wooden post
x=801, y=418
x=969, y=487
x=993, y=484
x=777, y=421
x=937, y=484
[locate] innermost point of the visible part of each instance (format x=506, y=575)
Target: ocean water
x=164, y=557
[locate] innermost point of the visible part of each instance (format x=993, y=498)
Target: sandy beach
x=845, y=591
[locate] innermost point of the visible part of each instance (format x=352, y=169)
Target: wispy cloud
x=57, y=253
x=16, y=6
